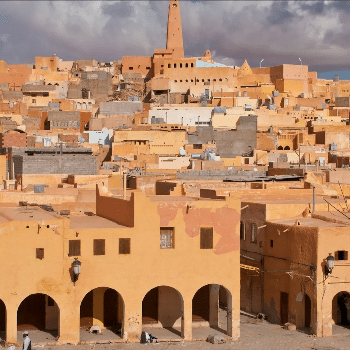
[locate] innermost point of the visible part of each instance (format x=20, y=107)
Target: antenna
x=261, y=62
x=300, y=61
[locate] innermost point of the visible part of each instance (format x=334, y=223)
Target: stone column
x=11, y=323
x=132, y=325
x=186, y=319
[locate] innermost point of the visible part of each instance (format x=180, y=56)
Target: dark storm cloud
x=276, y=31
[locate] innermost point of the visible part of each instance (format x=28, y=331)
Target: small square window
x=341, y=255
x=40, y=253
x=167, y=238
x=131, y=68
x=254, y=233
x=124, y=245
x=99, y=247
x=206, y=239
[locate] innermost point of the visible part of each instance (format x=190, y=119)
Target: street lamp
x=261, y=62
x=329, y=264
x=76, y=265
x=300, y=61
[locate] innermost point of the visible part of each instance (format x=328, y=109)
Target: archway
x=103, y=307
x=212, y=308
x=280, y=148
x=38, y=313
x=2, y=320
x=162, y=309
x=287, y=148
x=341, y=309
x=303, y=311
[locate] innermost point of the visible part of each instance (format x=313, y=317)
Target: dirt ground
x=255, y=335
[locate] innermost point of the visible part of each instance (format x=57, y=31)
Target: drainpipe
x=124, y=186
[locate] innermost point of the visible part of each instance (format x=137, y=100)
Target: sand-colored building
x=141, y=261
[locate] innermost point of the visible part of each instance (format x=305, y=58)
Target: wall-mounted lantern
x=329, y=264
x=76, y=265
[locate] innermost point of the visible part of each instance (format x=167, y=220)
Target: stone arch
x=162, y=307
x=280, y=148
x=38, y=312
x=287, y=148
x=303, y=311
x=341, y=309
x=105, y=307
x=212, y=308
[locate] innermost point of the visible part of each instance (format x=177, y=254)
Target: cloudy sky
x=279, y=32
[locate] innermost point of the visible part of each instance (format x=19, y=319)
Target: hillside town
x=171, y=195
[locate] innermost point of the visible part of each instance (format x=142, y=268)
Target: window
x=150, y=67
x=271, y=243
x=202, y=80
x=206, y=239
x=180, y=81
x=40, y=253
x=175, y=81
x=99, y=246
x=74, y=247
x=242, y=231
x=131, y=68
x=124, y=245
x=169, y=65
x=191, y=65
x=254, y=233
x=341, y=255
x=186, y=65
x=174, y=65
x=33, y=100
x=167, y=238
x=197, y=146
x=180, y=65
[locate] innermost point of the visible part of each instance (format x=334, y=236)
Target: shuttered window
x=124, y=245
x=99, y=246
x=254, y=233
x=74, y=247
x=206, y=239
x=166, y=238
x=341, y=255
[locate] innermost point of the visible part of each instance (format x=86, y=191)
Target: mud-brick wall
x=78, y=164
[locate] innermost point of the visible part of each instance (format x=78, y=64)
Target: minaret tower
x=174, y=37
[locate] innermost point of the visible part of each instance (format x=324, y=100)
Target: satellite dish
x=81, y=140
x=105, y=130
x=182, y=152
x=269, y=97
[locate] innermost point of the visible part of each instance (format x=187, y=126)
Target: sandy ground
x=254, y=336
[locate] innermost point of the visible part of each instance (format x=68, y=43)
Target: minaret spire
x=174, y=37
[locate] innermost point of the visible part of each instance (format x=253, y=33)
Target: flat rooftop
x=86, y=221
x=26, y=213
x=308, y=222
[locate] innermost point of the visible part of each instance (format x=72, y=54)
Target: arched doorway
x=162, y=308
x=103, y=307
x=38, y=313
x=212, y=308
x=2, y=320
x=280, y=148
x=303, y=311
x=287, y=148
x=341, y=309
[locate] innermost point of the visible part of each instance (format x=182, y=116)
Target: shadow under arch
x=212, y=308
x=105, y=307
x=303, y=312
x=3, y=313
x=162, y=307
x=38, y=312
x=341, y=309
